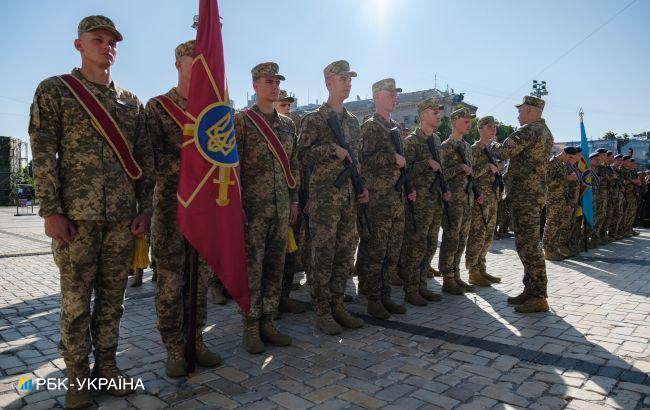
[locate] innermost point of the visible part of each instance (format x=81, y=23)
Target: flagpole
x=190, y=347
x=581, y=113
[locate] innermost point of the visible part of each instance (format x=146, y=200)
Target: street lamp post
x=539, y=89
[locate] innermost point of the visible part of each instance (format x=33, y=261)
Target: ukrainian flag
x=586, y=176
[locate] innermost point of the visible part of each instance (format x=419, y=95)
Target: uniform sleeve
x=295, y=167
x=240, y=135
x=514, y=144
x=45, y=131
x=160, y=144
x=480, y=163
x=416, y=161
x=144, y=156
x=374, y=154
x=311, y=149
x=451, y=161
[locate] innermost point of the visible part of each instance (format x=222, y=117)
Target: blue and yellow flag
x=585, y=176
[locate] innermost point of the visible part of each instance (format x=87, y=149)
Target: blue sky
x=491, y=51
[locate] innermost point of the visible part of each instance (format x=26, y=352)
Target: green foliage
x=444, y=130
x=610, y=135
x=20, y=177
x=503, y=131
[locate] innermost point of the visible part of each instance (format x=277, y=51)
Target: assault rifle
x=439, y=182
x=404, y=180
x=471, y=187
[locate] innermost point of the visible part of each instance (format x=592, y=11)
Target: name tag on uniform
x=125, y=104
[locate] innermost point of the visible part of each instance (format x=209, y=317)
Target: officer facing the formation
x=528, y=149
x=420, y=148
x=93, y=172
x=329, y=145
x=165, y=118
x=387, y=180
x=489, y=183
x=457, y=159
x=267, y=153
x=557, y=206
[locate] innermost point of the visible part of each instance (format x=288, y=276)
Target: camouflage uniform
x=169, y=245
x=556, y=203
x=78, y=175
x=332, y=211
x=600, y=209
x=617, y=202
x=481, y=239
x=572, y=219
x=529, y=149
x=631, y=202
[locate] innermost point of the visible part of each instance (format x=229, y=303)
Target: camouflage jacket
x=603, y=186
x=454, y=175
x=378, y=157
x=417, y=156
x=572, y=188
x=264, y=188
x=483, y=176
x=76, y=172
x=166, y=139
x=317, y=154
x=529, y=149
x=557, y=183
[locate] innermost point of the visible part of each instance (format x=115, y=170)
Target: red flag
x=209, y=212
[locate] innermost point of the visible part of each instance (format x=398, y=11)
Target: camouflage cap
x=91, y=23
x=267, y=70
x=432, y=103
x=185, y=49
x=387, y=84
x=486, y=120
x=340, y=67
x=284, y=96
x=532, y=101
x=461, y=113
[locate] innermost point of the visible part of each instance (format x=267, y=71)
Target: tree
x=503, y=131
x=444, y=130
x=610, y=135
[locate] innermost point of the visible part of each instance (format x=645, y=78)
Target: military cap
x=532, y=101
x=626, y=157
x=594, y=155
x=185, y=49
x=601, y=150
x=570, y=150
x=430, y=103
x=610, y=153
x=91, y=23
x=579, y=149
x=486, y=120
x=618, y=156
x=387, y=84
x=340, y=67
x=284, y=96
x=462, y=112
x=267, y=70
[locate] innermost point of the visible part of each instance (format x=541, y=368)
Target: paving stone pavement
x=467, y=352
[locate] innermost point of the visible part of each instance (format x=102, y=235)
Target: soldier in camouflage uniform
x=379, y=250
x=485, y=174
x=92, y=208
x=270, y=205
x=600, y=208
x=556, y=202
x=172, y=249
x=631, y=191
x=529, y=149
x=504, y=214
x=612, y=190
x=332, y=210
x=428, y=208
x=575, y=235
x=456, y=228
x=618, y=198
x=567, y=230
x=288, y=304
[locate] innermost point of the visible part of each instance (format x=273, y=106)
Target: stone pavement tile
x=600, y=384
x=574, y=393
x=362, y=400
x=426, y=384
x=435, y=398
x=503, y=393
x=532, y=389
x=470, y=358
x=325, y=380
x=417, y=371
x=325, y=393
x=464, y=391
x=290, y=401
x=292, y=387
x=557, y=379
x=394, y=392
x=359, y=385
x=638, y=388
x=10, y=401
x=586, y=405
x=405, y=403
x=517, y=375
x=146, y=402
x=548, y=402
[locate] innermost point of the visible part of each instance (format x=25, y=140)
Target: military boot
x=477, y=279
x=136, y=279
x=344, y=318
x=414, y=298
x=431, y=272
x=532, y=305
x=519, y=299
x=77, y=397
x=270, y=334
x=462, y=283
x=290, y=305
x=430, y=296
x=324, y=319
x=635, y=233
x=107, y=369
x=449, y=285
x=176, y=366
x=377, y=310
x=252, y=340
x=395, y=280
x=493, y=279
x=218, y=298
x=205, y=357
x=393, y=307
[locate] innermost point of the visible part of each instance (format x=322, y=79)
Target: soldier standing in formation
x=332, y=210
x=602, y=194
x=528, y=149
x=165, y=120
x=94, y=199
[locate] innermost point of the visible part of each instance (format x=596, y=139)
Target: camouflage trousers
x=334, y=240
x=617, y=213
x=414, y=256
x=266, y=245
x=630, y=212
x=481, y=239
x=454, y=234
x=432, y=237
x=98, y=258
x=553, y=235
x=379, y=251
x=172, y=286
x=600, y=215
x=503, y=215
x=293, y=262
x=576, y=233
x=525, y=220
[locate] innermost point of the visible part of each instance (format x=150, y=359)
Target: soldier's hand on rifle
x=434, y=165
x=140, y=224
x=341, y=153
x=400, y=161
x=364, y=197
x=412, y=196
x=446, y=196
x=60, y=227
x=572, y=177
x=493, y=168
x=466, y=169
x=293, y=213
x=480, y=199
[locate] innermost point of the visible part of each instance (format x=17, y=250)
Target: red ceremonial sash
x=274, y=145
x=104, y=124
x=174, y=110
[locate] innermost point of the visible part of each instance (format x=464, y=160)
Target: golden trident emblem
x=218, y=136
x=224, y=182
